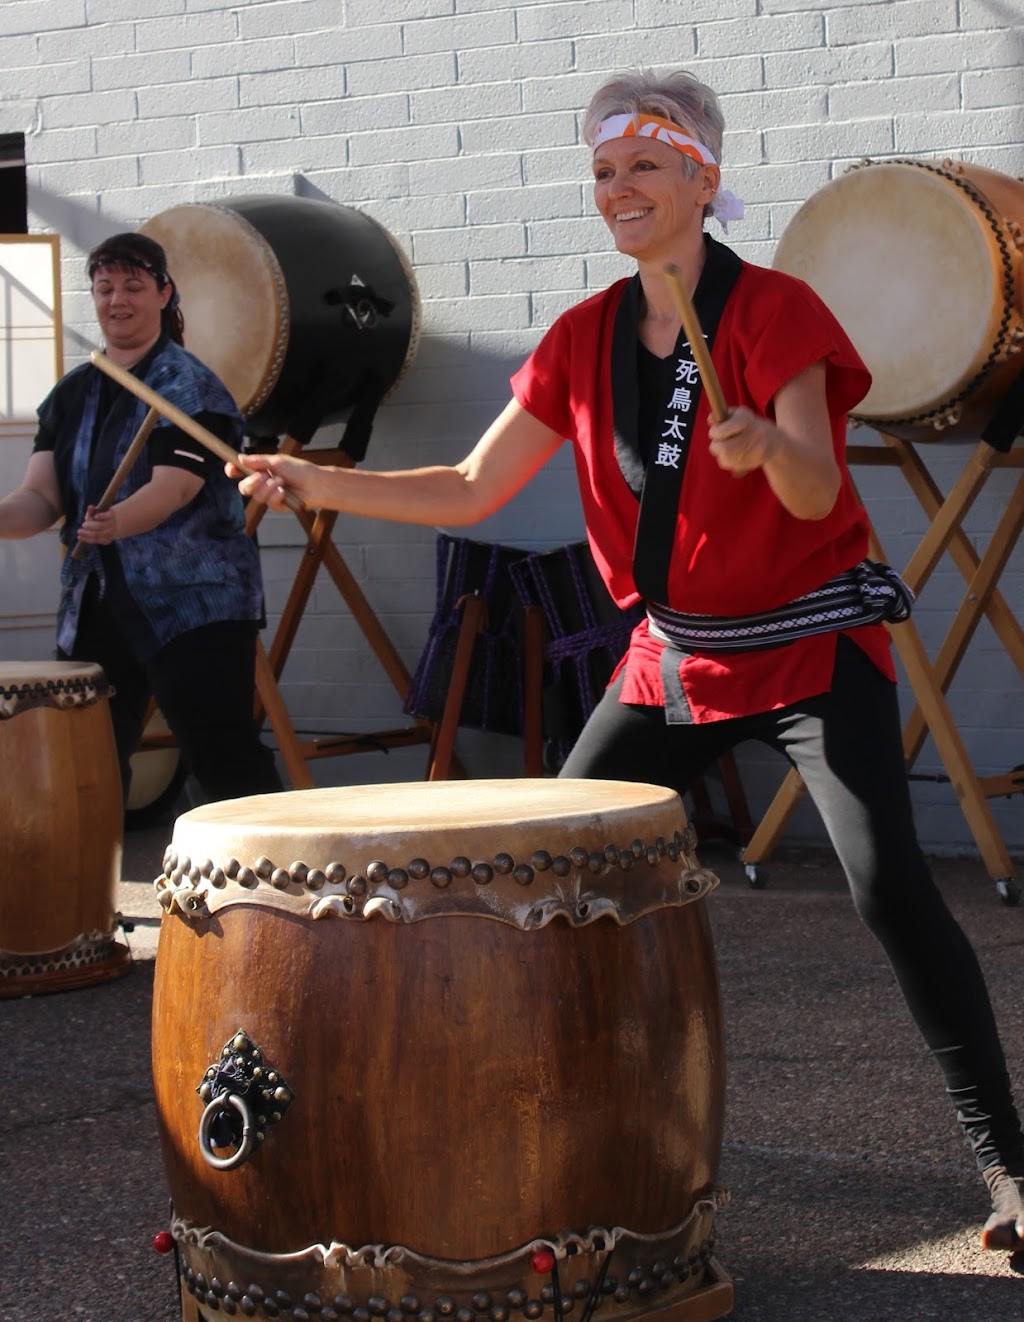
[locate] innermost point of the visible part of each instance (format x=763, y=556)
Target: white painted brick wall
x=455, y=124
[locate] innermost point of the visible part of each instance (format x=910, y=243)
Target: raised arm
x=35, y=505
x=509, y=453
x=795, y=450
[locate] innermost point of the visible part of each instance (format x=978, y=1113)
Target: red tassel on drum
x=544, y=1261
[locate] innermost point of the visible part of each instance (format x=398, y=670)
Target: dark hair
x=138, y=252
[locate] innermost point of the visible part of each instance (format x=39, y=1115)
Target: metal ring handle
x=245, y=1149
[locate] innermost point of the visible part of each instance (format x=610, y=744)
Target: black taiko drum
x=306, y=309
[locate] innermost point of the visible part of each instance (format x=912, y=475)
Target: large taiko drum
x=922, y=264
x=61, y=832
x=306, y=309
x=408, y=1037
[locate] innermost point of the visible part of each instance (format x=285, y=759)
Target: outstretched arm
x=35, y=505
x=795, y=451
x=510, y=452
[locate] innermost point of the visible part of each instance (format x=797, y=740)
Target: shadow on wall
x=75, y=222
x=78, y=227
x=437, y=412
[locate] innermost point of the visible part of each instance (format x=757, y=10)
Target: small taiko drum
x=441, y=1050
x=61, y=835
x=307, y=310
x=922, y=264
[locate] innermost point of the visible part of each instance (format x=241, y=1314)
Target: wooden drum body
x=407, y=1036
x=61, y=835
x=922, y=264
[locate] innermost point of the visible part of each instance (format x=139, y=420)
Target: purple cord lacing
x=560, y=646
x=452, y=562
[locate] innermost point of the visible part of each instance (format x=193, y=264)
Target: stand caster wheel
x=1008, y=891
x=758, y=880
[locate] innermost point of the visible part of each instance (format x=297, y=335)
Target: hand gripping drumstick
x=180, y=419
x=122, y=471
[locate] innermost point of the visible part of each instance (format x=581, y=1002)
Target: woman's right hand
x=268, y=477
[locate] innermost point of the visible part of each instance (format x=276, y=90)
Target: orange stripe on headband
x=652, y=126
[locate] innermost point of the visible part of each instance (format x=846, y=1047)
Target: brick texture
x=455, y=124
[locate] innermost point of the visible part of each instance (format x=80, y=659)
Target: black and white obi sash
x=866, y=594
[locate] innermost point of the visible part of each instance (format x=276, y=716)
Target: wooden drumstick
x=123, y=469
x=701, y=356
x=181, y=419
x=698, y=344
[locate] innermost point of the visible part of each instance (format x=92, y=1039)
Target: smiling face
x=645, y=198
x=128, y=305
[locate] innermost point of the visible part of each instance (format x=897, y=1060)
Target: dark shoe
x=1004, y=1230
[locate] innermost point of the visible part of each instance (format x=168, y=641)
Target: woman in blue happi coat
x=168, y=597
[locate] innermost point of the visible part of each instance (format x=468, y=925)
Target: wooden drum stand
x=922, y=263
x=321, y=550
x=928, y=679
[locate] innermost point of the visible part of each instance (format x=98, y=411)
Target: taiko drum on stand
x=438, y=1050
x=922, y=262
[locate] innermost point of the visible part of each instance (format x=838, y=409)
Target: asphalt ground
x=853, y=1194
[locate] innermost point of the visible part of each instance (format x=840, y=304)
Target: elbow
x=817, y=499
x=810, y=506
x=808, y=502
x=821, y=508
x=473, y=500
x=829, y=496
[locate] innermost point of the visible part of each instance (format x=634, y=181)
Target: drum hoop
x=583, y=886
x=281, y=289
x=947, y=411
x=62, y=694
x=415, y=306
x=386, y=1267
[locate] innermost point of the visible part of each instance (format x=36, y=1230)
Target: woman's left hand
x=744, y=441
x=99, y=529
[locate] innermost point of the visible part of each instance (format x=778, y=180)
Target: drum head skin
x=904, y=259
x=412, y=815
x=233, y=296
x=42, y=673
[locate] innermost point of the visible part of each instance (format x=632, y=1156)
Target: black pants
x=204, y=683
x=847, y=746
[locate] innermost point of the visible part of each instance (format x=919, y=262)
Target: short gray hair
x=677, y=96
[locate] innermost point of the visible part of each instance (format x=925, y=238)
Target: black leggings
x=204, y=684
x=846, y=744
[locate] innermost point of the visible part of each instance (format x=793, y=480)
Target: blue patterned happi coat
x=198, y=566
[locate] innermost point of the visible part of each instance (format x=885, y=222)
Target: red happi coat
x=737, y=551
